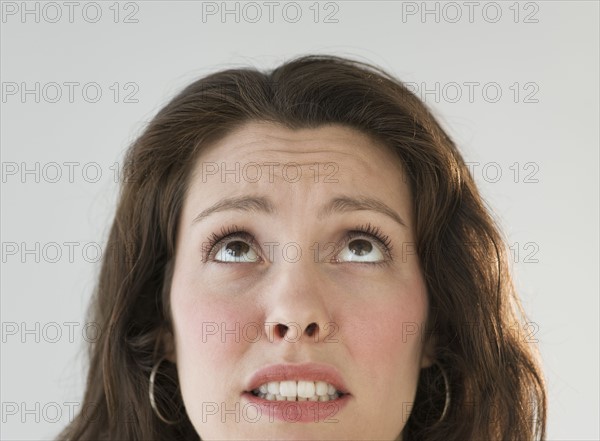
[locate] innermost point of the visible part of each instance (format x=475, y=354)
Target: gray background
x=548, y=211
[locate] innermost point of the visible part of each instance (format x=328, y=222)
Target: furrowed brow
x=240, y=203
x=347, y=203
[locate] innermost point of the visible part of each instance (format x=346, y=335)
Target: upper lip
x=298, y=372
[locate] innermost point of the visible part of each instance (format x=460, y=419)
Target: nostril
x=281, y=330
x=311, y=329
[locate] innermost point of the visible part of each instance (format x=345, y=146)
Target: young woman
x=302, y=254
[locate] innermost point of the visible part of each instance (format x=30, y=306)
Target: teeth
x=272, y=387
x=306, y=389
x=322, y=388
x=297, y=391
x=288, y=389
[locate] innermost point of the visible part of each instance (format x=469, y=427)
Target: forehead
x=275, y=139
x=277, y=146
x=311, y=163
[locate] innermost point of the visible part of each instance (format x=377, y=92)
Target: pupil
x=361, y=247
x=237, y=248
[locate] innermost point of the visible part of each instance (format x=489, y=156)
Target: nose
x=280, y=331
x=296, y=304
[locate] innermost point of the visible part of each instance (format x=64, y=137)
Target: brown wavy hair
x=496, y=385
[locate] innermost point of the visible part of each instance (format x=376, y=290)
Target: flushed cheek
x=210, y=331
x=386, y=331
x=384, y=365
x=379, y=337
x=382, y=315
x=208, y=347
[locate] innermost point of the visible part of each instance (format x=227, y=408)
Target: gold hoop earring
x=151, y=394
x=447, y=389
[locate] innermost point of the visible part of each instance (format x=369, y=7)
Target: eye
x=235, y=251
x=232, y=245
x=361, y=249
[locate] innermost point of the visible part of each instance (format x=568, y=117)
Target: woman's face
x=314, y=292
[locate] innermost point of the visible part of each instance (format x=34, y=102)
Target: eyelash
x=376, y=234
x=226, y=233
x=233, y=231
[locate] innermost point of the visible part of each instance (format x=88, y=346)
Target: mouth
x=297, y=382
x=297, y=390
x=305, y=392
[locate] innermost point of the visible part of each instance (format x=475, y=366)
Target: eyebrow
x=241, y=203
x=344, y=204
x=340, y=204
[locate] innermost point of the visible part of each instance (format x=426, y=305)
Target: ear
x=428, y=354
x=168, y=345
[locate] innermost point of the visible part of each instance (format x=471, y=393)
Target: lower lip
x=299, y=411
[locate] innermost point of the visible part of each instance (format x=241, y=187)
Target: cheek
x=380, y=331
x=385, y=332
x=388, y=331
x=209, y=338
x=208, y=332
x=384, y=313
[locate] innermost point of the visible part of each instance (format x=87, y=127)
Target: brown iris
x=237, y=248
x=360, y=247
